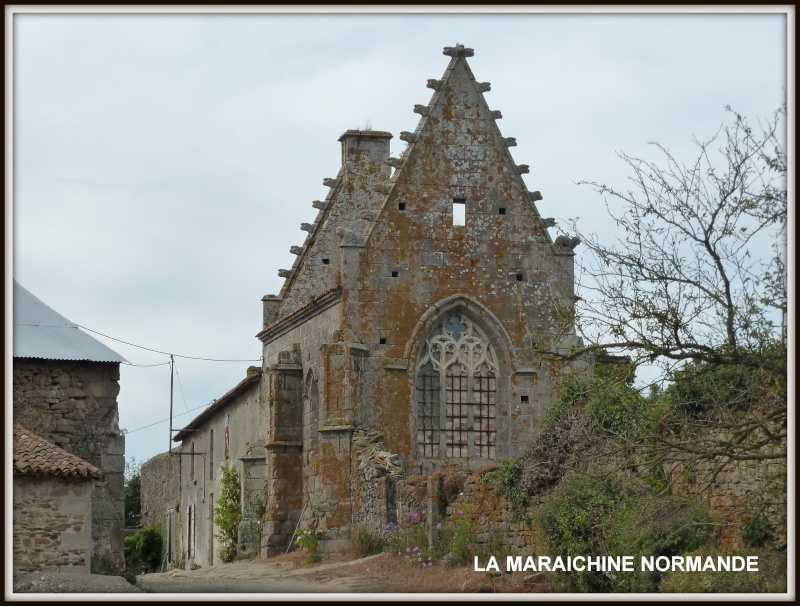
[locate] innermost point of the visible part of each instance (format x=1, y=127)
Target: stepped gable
x=457, y=135
x=456, y=130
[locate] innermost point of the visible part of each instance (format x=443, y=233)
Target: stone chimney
x=365, y=154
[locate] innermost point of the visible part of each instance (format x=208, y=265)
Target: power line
x=165, y=420
x=165, y=352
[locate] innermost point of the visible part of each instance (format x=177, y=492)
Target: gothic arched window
x=456, y=390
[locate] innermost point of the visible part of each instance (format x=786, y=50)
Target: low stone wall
x=52, y=523
x=742, y=490
x=493, y=520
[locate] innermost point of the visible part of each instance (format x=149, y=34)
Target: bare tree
x=700, y=272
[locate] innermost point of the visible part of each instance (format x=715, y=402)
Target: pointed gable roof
x=457, y=116
x=42, y=332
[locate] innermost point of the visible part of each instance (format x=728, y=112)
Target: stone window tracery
x=456, y=383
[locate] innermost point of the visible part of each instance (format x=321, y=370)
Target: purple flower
x=408, y=549
x=439, y=526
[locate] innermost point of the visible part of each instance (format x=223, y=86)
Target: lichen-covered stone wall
x=52, y=523
x=74, y=406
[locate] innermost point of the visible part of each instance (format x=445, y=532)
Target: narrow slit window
x=401, y=206
x=459, y=211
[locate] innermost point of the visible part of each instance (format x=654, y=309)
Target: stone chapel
x=402, y=338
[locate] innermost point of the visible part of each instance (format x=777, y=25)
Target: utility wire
x=165, y=420
x=177, y=374
x=164, y=352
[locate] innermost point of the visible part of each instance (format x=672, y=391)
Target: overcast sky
x=163, y=163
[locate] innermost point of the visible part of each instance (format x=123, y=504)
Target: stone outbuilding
x=65, y=387
x=53, y=503
x=410, y=315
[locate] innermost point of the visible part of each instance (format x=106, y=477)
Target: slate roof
x=252, y=378
x=36, y=456
x=41, y=332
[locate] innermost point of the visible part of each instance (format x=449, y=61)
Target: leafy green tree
x=133, y=492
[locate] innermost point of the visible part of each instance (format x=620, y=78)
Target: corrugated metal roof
x=41, y=332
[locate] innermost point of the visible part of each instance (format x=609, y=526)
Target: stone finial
x=548, y=222
x=422, y=110
x=566, y=245
x=523, y=169
x=535, y=196
x=284, y=273
x=496, y=114
x=307, y=227
x=484, y=87
x=510, y=142
x=296, y=250
x=370, y=215
x=351, y=238
x=319, y=204
x=394, y=162
x=330, y=182
x=434, y=84
x=459, y=50
x=407, y=136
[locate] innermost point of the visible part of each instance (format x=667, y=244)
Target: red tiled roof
x=253, y=376
x=36, y=456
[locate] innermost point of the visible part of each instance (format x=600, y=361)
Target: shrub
x=756, y=531
x=592, y=516
x=228, y=513
x=770, y=578
x=308, y=539
x=143, y=550
x=365, y=542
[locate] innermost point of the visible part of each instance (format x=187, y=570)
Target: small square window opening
x=459, y=211
x=524, y=399
x=401, y=206
x=326, y=261
x=519, y=277
x=501, y=210
x=382, y=340
x=394, y=274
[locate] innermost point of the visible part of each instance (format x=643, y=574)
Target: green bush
x=594, y=516
x=228, y=513
x=770, y=578
x=756, y=531
x=143, y=550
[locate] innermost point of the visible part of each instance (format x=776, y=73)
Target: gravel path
x=65, y=582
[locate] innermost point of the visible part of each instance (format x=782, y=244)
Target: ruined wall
x=74, y=406
x=52, y=523
x=743, y=490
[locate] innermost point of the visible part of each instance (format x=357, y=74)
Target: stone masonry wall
x=74, y=405
x=161, y=481
x=52, y=523
x=493, y=521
